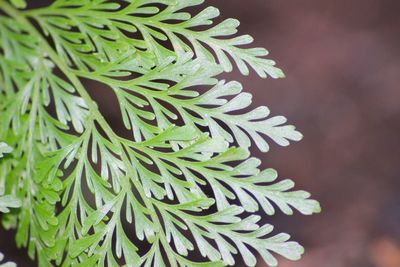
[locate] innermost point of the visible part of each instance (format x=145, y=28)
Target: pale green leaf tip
x=317, y=207
x=4, y=149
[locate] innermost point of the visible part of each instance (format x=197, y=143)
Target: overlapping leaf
x=107, y=29
x=222, y=106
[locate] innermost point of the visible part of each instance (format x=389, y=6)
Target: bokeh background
x=342, y=61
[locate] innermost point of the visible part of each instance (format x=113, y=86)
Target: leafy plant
x=183, y=182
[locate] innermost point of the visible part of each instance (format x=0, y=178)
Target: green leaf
x=84, y=243
x=181, y=179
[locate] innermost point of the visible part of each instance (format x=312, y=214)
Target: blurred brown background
x=342, y=61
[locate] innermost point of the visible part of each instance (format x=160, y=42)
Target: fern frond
x=85, y=188
x=173, y=83
x=102, y=28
